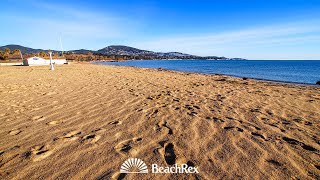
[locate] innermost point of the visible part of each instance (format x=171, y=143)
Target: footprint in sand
x=258, y=135
x=54, y=122
x=257, y=110
x=38, y=153
x=14, y=132
x=215, y=119
x=98, y=130
x=38, y=118
x=42, y=155
x=137, y=139
x=169, y=154
x=233, y=128
x=115, y=122
x=192, y=113
x=191, y=109
x=92, y=138
x=274, y=162
x=296, y=142
x=118, y=176
x=72, y=135
x=163, y=124
x=126, y=146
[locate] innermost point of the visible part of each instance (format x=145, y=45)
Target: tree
x=6, y=51
x=42, y=54
x=4, y=55
x=1, y=55
x=15, y=52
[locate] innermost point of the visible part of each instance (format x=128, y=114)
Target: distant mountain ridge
x=118, y=50
x=122, y=50
x=22, y=48
x=130, y=51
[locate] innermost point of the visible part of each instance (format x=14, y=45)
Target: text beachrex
x=136, y=165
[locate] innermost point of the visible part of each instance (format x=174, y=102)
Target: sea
x=287, y=71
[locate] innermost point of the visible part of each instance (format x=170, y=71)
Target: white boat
x=37, y=61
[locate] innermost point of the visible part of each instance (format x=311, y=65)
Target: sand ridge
x=84, y=121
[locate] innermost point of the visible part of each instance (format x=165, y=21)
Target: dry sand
x=84, y=121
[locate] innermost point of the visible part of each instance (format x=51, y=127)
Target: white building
x=37, y=61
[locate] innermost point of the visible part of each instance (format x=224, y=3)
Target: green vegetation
x=6, y=54
x=16, y=52
x=42, y=54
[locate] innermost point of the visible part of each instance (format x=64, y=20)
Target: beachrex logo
x=135, y=165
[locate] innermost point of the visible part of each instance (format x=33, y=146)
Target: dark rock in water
x=244, y=78
x=318, y=83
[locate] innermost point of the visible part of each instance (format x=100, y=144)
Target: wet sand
x=84, y=121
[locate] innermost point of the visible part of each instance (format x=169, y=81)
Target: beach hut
x=37, y=61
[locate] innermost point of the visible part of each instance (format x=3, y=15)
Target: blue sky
x=253, y=29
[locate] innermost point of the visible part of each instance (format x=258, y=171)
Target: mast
x=21, y=55
x=51, y=64
x=61, y=48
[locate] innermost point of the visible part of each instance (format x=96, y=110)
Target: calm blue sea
x=294, y=71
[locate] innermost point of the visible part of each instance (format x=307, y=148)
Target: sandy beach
x=85, y=120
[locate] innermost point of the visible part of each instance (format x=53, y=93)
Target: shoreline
x=235, y=76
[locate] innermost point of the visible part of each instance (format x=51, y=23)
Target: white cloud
x=229, y=43
x=42, y=25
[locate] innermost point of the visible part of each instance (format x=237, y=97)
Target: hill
x=22, y=48
x=118, y=50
